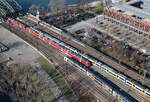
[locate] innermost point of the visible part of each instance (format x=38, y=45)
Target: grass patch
x=57, y=78
x=98, y=9
x=67, y=24
x=86, y=15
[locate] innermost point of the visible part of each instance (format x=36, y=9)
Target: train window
x=147, y=93
x=104, y=66
x=98, y=63
x=122, y=79
x=112, y=74
x=124, y=100
x=74, y=65
x=97, y=80
x=129, y=83
x=138, y=88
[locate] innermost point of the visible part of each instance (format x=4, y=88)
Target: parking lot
x=124, y=43
x=121, y=32
x=132, y=36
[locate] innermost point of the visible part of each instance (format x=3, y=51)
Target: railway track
x=62, y=59
x=50, y=52
x=84, y=81
x=100, y=56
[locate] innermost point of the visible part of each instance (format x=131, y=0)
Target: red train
x=56, y=43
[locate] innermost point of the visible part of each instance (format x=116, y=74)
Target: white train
x=120, y=76
x=86, y=59
x=104, y=83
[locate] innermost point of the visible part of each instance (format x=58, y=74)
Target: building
x=135, y=13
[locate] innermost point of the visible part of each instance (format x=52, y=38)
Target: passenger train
x=79, y=55
x=67, y=49
x=104, y=83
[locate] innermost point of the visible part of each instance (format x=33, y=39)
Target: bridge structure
x=8, y=7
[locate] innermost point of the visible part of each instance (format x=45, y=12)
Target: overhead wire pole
x=145, y=71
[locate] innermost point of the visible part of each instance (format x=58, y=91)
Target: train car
x=56, y=41
x=147, y=92
x=76, y=64
x=80, y=56
x=113, y=73
x=122, y=77
x=91, y=58
x=73, y=51
x=104, y=83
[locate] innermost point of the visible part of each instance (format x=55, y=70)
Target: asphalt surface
x=22, y=53
x=19, y=51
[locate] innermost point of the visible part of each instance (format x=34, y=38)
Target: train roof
x=79, y=63
x=107, y=82
x=126, y=96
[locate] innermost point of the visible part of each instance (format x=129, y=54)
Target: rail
x=42, y=53
x=68, y=35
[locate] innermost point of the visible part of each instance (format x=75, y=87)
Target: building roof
x=134, y=10
x=146, y=20
x=115, y=8
x=128, y=13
